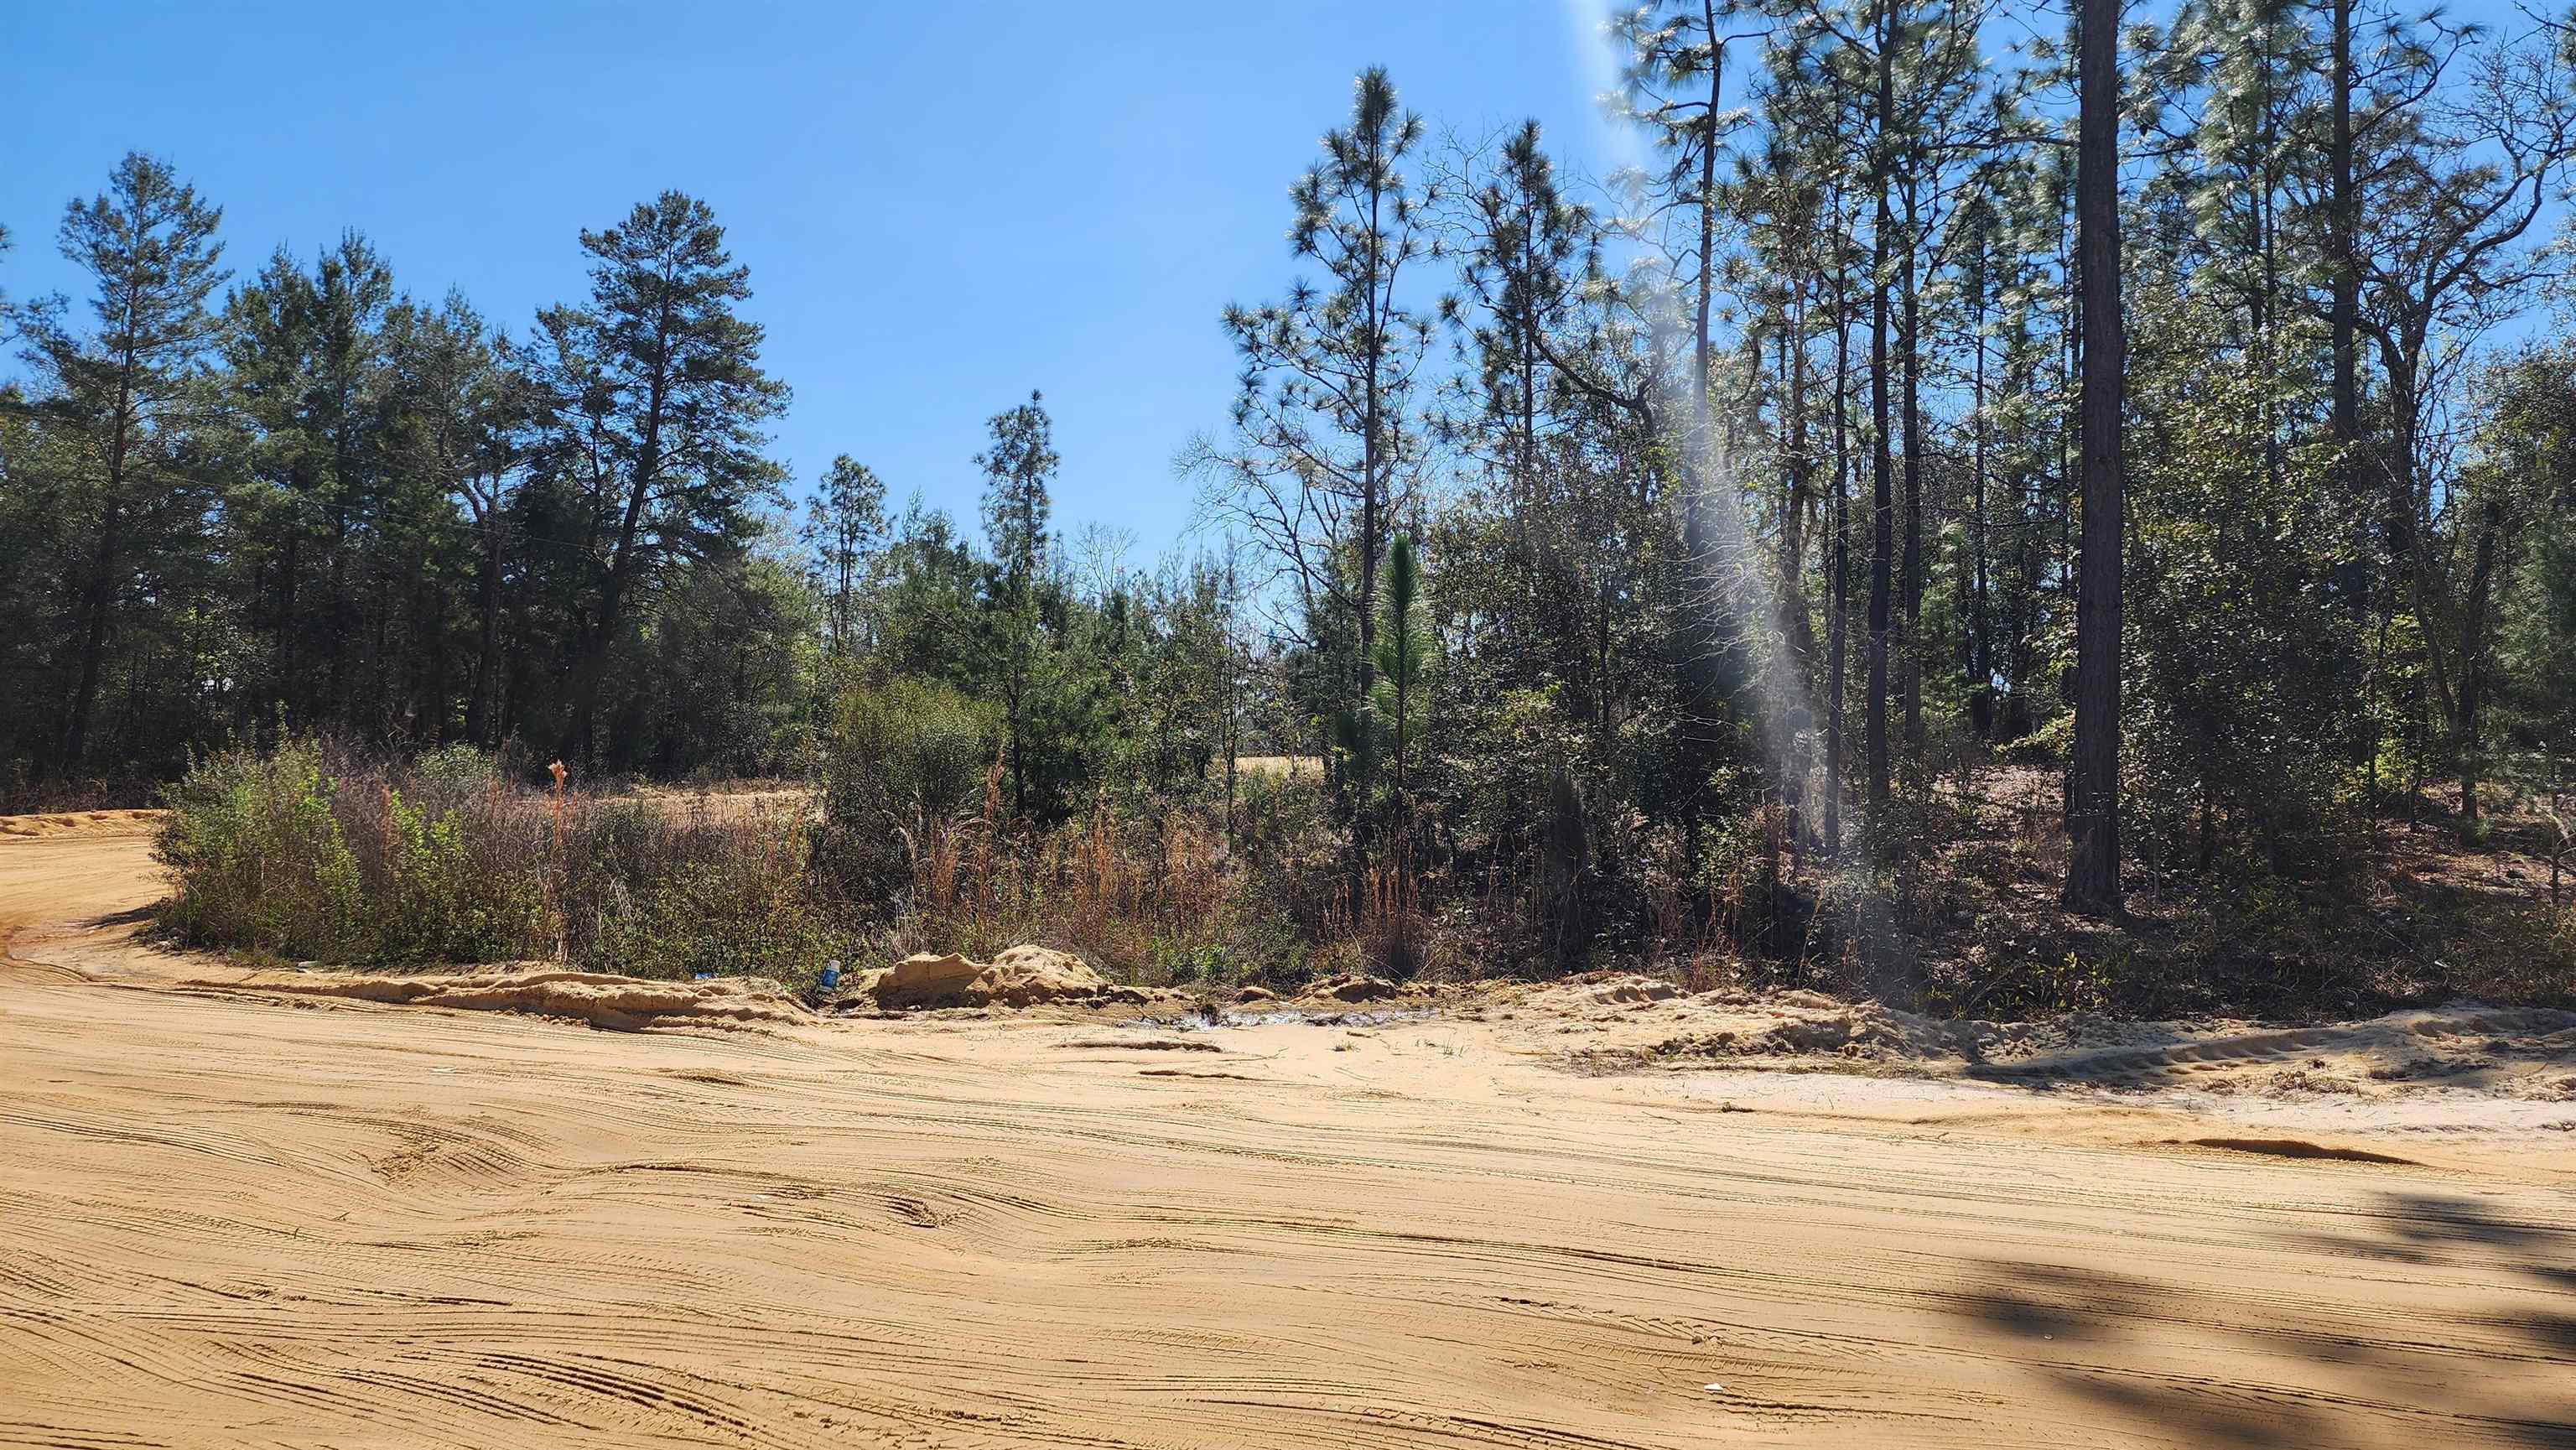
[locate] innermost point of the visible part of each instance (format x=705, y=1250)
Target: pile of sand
x=81, y=823
x=1618, y=989
x=1736, y=1027
x=624, y=1004
x=1352, y=988
x=1024, y=976
x=1863, y=1032
x=1636, y=1022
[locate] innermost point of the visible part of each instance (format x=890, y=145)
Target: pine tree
x=267, y=349
x=345, y=380
x=1541, y=418
x=844, y=524
x=1399, y=696
x=1325, y=448
x=460, y=402
x=132, y=387
x=1017, y=469
x=1674, y=86
x=671, y=390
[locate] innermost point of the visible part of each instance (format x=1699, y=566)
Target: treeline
x=1621, y=550
x=317, y=504
x=314, y=500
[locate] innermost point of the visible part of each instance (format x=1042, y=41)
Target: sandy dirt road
x=236, y=1218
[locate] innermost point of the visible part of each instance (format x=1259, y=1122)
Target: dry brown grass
x=1138, y=896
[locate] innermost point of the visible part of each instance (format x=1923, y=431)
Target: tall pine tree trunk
x=344, y=627
x=1801, y=631
x=96, y=605
x=1700, y=632
x=1910, y=652
x=577, y=742
x=1372, y=458
x=2343, y=218
x=2473, y=666
x=103, y=563
x=284, y=661
x=1882, y=466
x=2093, y=868
x=1839, y=626
x=1981, y=648
x=478, y=712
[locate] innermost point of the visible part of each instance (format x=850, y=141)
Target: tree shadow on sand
x=2268, y=1367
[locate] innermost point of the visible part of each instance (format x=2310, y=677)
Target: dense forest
x=2160, y=440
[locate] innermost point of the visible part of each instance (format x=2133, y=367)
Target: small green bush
x=2049, y=744
x=447, y=906
x=258, y=859
x=902, y=759
x=653, y=896
x=280, y=852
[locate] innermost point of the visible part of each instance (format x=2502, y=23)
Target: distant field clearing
x=1307, y=767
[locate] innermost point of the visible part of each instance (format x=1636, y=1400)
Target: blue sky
x=942, y=206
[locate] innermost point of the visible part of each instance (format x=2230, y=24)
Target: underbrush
x=2382, y=914
x=24, y=794
x=310, y=852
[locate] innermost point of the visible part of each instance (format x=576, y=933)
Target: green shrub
x=283, y=853
x=299, y=855
x=453, y=776
x=903, y=757
x=447, y=906
x=652, y=896
x=2049, y=744
x=258, y=859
